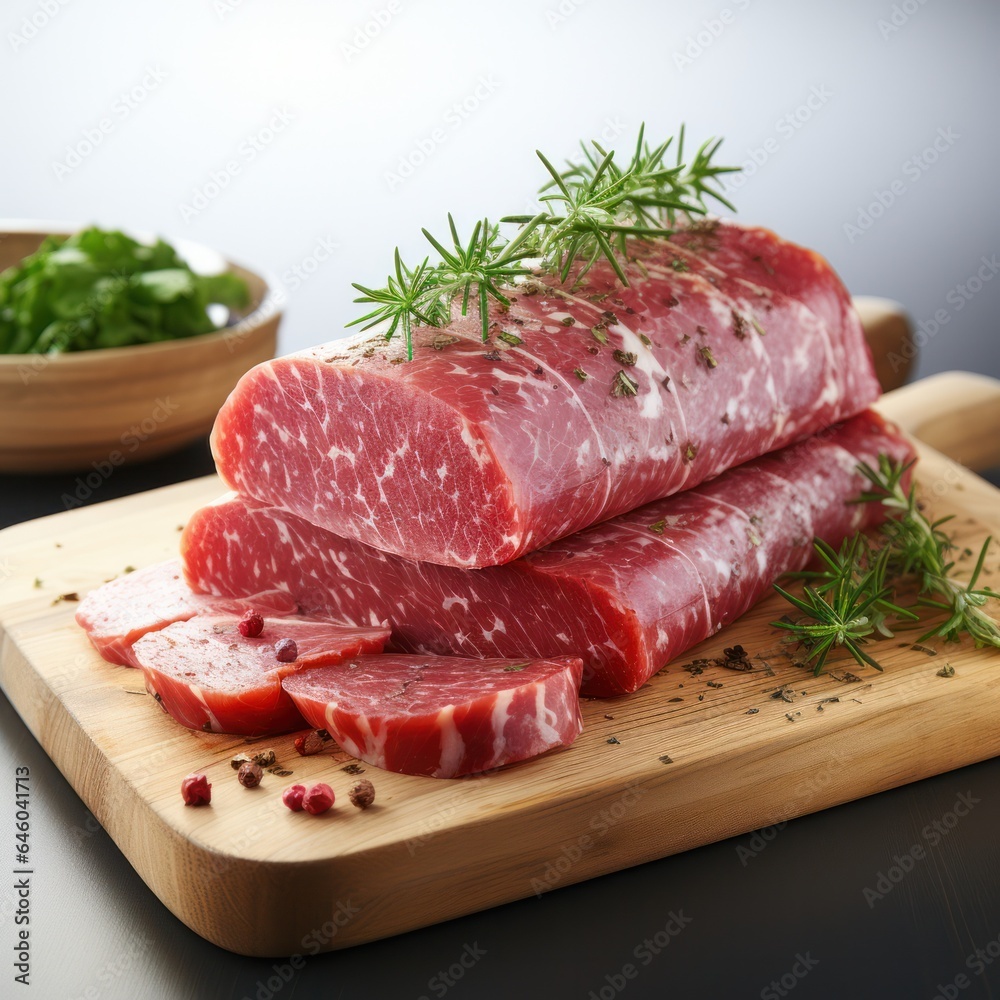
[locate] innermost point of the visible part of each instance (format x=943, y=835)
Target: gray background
x=224, y=70
x=549, y=73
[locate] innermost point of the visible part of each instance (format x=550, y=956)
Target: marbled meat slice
x=210, y=677
x=627, y=596
x=443, y=716
x=728, y=343
x=124, y=609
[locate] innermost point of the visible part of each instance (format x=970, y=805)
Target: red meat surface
x=123, y=610
x=626, y=596
x=209, y=677
x=589, y=400
x=443, y=716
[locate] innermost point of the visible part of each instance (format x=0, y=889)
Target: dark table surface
x=836, y=904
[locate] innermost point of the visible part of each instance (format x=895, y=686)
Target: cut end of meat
x=210, y=677
x=128, y=607
x=443, y=716
x=355, y=452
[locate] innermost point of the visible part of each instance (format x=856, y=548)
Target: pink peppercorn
x=251, y=625
x=196, y=790
x=292, y=797
x=285, y=650
x=317, y=798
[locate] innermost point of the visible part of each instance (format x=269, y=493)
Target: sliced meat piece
x=123, y=610
x=209, y=677
x=443, y=716
x=729, y=343
x=627, y=596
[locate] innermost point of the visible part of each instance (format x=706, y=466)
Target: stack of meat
x=617, y=474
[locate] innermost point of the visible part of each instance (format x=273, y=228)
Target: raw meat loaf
x=588, y=401
x=442, y=716
x=626, y=596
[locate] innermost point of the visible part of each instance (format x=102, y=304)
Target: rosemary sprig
x=849, y=602
x=400, y=302
x=850, y=597
x=601, y=205
x=425, y=293
x=595, y=207
x=919, y=547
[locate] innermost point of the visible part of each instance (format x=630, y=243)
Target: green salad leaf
x=100, y=288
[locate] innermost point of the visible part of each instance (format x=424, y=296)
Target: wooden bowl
x=96, y=410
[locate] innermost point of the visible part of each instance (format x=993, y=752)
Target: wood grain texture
x=698, y=754
x=66, y=412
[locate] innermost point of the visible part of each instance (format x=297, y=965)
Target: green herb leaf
x=592, y=209
x=708, y=357
x=624, y=384
x=853, y=599
x=100, y=288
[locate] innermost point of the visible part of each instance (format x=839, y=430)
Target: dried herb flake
x=624, y=384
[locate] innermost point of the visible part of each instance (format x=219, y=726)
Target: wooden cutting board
x=699, y=754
